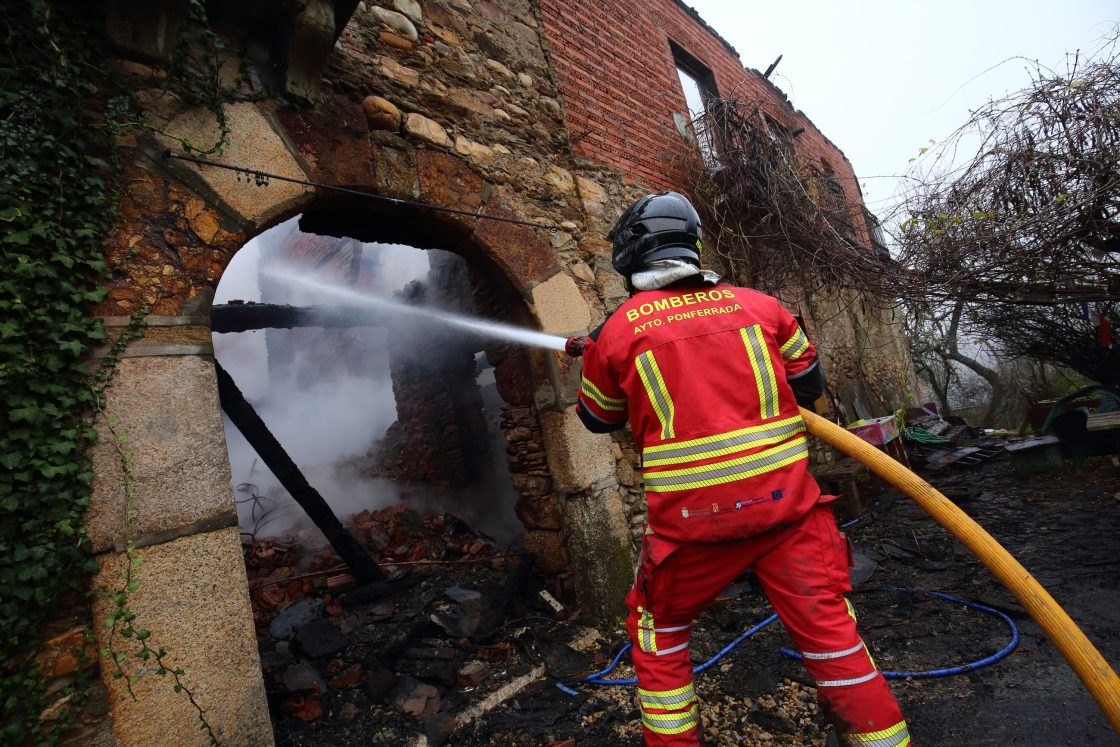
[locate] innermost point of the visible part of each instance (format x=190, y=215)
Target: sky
x=882, y=78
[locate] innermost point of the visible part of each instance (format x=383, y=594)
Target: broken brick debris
x=402, y=645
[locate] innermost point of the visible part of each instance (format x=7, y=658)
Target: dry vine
x=775, y=219
x=1033, y=216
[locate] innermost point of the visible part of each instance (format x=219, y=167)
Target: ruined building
x=553, y=113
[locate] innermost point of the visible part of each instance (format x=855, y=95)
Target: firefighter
x=710, y=376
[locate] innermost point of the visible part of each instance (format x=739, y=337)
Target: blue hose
x=947, y=671
x=597, y=677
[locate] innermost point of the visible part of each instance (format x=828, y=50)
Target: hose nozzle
x=574, y=346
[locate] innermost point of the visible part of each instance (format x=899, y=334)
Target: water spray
x=493, y=330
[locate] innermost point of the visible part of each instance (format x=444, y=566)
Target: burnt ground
x=466, y=652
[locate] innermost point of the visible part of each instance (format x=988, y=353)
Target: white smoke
x=322, y=425
x=327, y=417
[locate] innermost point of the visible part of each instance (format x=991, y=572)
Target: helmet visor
x=657, y=225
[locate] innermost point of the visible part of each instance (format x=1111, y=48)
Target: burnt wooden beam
x=246, y=420
x=243, y=317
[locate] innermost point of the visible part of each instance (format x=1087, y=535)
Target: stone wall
x=475, y=82
x=445, y=104
x=492, y=107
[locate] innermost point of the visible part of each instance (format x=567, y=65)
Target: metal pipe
x=1083, y=657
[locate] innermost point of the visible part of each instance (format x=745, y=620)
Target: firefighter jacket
x=703, y=373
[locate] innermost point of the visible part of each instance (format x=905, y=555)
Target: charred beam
x=243, y=317
x=246, y=419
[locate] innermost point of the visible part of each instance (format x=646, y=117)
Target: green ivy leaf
x=24, y=414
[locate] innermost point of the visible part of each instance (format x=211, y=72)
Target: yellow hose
x=1086, y=661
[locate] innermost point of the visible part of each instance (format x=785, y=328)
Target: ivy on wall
x=56, y=206
x=60, y=113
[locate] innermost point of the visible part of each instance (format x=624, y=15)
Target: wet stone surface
x=406, y=679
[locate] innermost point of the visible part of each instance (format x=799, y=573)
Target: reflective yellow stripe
x=895, y=736
x=763, y=367
x=729, y=470
x=657, y=391
x=592, y=393
x=647, y=636
x=722, y=443
x=852, y=614
x=794, y=346
x=682, y=696
x=672, y=723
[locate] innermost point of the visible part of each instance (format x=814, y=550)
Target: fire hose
x=1085, y=660
x=1083, y=657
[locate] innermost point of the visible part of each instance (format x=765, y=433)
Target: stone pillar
x=582, y=466
x=594, y=517
x=599, y=544
x=192, y=592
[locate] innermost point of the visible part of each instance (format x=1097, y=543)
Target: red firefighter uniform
x=703, y=373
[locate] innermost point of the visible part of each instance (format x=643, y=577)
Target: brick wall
x=615, y=71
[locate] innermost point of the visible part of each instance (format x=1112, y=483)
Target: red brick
x=627, y=109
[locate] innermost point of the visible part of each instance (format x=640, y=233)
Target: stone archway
x=180, y=225
x=440, y=444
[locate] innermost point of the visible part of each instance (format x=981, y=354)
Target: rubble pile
x=331, y=650
x=461, y=644
x=419, y=655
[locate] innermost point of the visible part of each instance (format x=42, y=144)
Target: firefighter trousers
x=804, y=571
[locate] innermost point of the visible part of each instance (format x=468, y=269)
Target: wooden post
x=242, y=317
x=246, y=420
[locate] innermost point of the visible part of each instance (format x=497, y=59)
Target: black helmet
x=660, y=226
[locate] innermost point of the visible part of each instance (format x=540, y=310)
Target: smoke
x=327, y=396
x=326, y=411
x=326, y=427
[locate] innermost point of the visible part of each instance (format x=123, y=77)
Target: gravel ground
x=1063, y=528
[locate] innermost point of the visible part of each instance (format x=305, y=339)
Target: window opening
x=699, y=87
x=878, y=237
x=839, y=207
